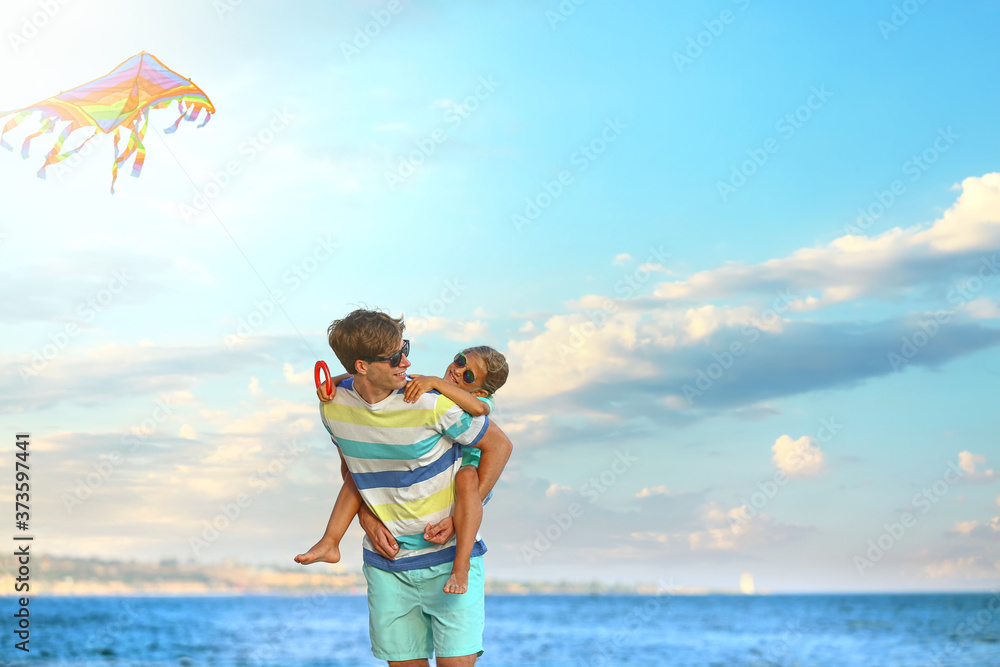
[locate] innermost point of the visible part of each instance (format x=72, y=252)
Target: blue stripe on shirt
x=423, y=560
x=486, y=425
x=401, y=479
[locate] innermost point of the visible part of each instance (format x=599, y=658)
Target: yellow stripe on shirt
x=361, y=416
x=416, y=509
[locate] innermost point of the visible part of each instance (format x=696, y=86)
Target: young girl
x=470, y=381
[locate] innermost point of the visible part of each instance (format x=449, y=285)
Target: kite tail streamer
x=173, y=128
x=208, y=117
x=140, y=154
x=46, y=127
x=114, y=166
x=134, y=146
x=11, y=124
x=56, y=159
x=53, y=155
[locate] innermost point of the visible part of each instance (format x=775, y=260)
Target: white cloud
x=653, y=491
x=723, y=528
x=969, y=463
x=653, y=267
x=650, y=536
x=966, y=527
x=188, y=433
x=676, y=402
x=663, y=344
x=459, y=330
x=852, y=267
x=969, y=567
x=731, y=530
x=798, y=458
x=302, y=379
x=555, y=489
x=621, y=259
x=983, y=309
x=977, y=529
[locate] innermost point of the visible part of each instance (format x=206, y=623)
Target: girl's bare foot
x=458, y=582
x=322, y=552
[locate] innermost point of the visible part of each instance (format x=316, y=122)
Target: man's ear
x=360, y=367
x=480, y=392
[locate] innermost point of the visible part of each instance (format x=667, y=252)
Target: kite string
x=267, y=289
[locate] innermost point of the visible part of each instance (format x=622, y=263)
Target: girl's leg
x=468, y=517
x=344, y=510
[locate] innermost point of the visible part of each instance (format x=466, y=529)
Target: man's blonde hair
x=496, y=367
x=364, y=334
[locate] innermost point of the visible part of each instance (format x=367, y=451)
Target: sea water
x=924, y=630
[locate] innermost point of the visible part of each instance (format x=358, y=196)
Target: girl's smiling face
x=455, y=374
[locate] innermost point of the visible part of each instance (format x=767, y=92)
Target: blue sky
x=403, y=172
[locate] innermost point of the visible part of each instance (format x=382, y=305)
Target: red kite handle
x=321, y=367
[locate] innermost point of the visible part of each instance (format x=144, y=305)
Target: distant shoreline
x=90, y=577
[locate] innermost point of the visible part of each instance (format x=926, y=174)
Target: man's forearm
x=496, y=448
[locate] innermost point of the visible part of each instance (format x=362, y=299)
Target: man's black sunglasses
x=395, y=359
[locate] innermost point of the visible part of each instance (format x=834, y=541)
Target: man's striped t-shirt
x=403, y=458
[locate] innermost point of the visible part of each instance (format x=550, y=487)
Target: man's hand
x=323, y=396
x=440, y=532
x=380, y=536
x=418, y=385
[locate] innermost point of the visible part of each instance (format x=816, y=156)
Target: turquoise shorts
x=471, y=456
x=411, y=617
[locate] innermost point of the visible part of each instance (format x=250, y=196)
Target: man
x=402, y=459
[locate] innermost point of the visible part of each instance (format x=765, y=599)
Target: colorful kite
x=121, y=99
